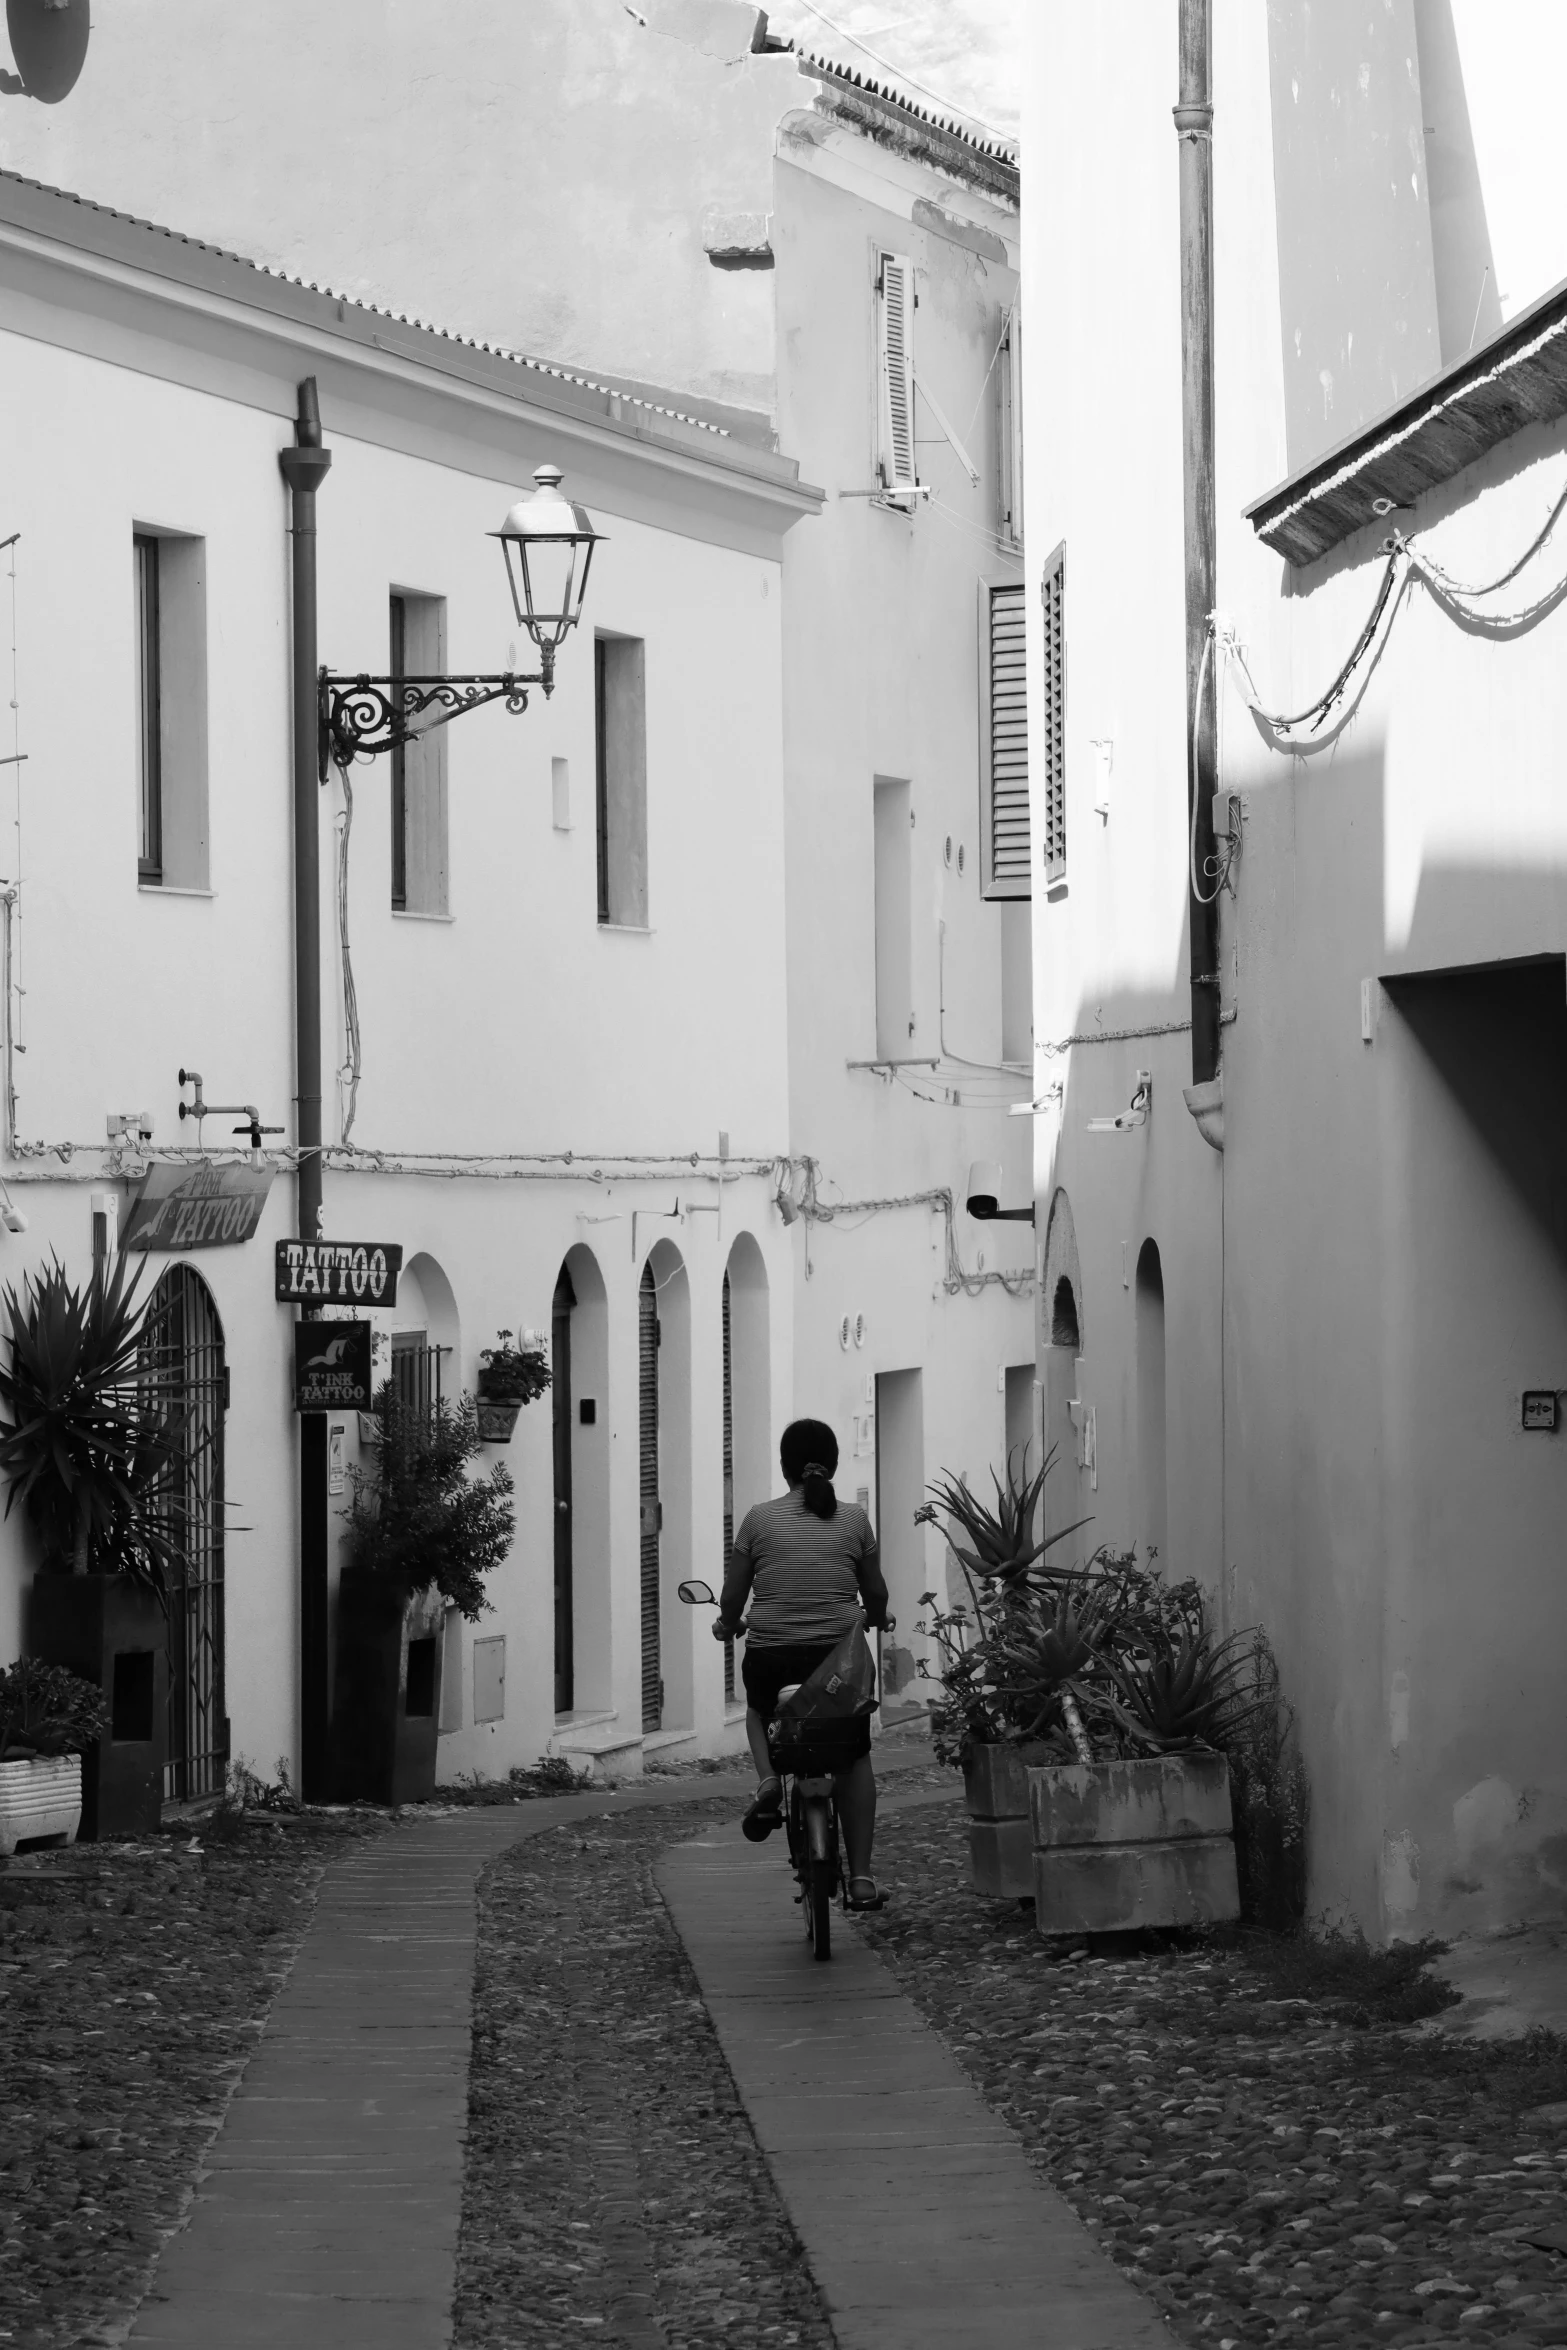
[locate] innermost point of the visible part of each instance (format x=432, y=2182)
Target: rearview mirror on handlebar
x=697, y=1594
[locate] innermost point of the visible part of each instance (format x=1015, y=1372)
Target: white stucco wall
x=1361, y=1286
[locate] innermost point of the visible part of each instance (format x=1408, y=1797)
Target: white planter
x=42, y=1798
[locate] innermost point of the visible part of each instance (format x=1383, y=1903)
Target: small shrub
x=1269, y=1795
x=417, y=1517
x=47, y=1710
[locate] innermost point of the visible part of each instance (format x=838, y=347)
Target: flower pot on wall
x=1000, y=1836
x=1123, y=1845
x=41, y=1798
x=114, y=1633
x=386, y=1715
x=497, y=1419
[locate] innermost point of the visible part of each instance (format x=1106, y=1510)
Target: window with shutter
x=1004, y=741
x=1052, y=796
x=895, y=308
x=1009, y=435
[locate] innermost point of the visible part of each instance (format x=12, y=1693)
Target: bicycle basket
x=815, y=1746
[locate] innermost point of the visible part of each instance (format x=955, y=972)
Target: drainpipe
x=304, y=467
x=1194, y=132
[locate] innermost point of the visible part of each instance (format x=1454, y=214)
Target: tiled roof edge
x=996, y=150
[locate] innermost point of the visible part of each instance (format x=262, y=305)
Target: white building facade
x=1309, y=1349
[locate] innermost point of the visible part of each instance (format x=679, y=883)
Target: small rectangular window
x=620, y=715
x=895, y=306
x=894, y=921
x=1009, y=428
x=1052, y=796
x=418, y=794
x=170, y=654
x=1003, y=747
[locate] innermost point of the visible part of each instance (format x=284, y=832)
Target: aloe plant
x=91, y=1421
x=998, y=1545
x=1184, y=1692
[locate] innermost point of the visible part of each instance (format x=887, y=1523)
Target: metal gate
x=729, y=1483
x=188, y=1351
x=652, y=1512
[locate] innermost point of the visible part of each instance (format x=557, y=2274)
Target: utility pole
x=304, y=467
x=1194, y=131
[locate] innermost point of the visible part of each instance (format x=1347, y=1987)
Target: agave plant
x=998, y=1546
x=91, y=1419
x=1183, y=1691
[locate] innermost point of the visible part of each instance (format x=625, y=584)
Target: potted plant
x=48, y=1719
x=422, y=1534
x=91, y=1422
x=509, y=1377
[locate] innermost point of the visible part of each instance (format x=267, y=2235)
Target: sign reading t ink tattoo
x=331, y=1366
x=337, y=1272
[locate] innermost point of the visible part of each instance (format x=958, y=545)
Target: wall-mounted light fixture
x=984, y=1196
x=548, y=545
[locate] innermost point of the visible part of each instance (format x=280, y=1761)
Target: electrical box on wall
x=1541, y=1410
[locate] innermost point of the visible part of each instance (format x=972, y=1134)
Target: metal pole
x=1194, y=131
x=304, y=466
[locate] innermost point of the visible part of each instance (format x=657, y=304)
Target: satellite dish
x=49, y=45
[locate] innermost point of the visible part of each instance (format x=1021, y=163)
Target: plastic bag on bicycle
x=823, y=1716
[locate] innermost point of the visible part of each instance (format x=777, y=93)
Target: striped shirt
x=805, y=1576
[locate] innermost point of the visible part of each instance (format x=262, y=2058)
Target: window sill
x=171, y=889
x=413, y=914
x=626, y=929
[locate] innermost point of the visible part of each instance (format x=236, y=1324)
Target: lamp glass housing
x=548, y=544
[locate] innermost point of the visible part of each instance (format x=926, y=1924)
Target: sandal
x=878, y=1899
x=765, y=1814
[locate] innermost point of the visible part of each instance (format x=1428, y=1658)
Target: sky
x=959, y=53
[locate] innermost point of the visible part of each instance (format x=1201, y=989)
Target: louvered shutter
x=1052, y=794
x=895, y=307
x=1006, y=747
x=647, y=1365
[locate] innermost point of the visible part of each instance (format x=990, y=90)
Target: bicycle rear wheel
x=818, y=1905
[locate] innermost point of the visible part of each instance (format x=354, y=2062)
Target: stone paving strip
x=134, y=1980
x=924, y=2225
x=1268, y=2171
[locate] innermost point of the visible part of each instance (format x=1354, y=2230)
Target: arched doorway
x=664, y=1417
x=1060, y=1350
x=1151, y=1436
x=579, y=1406
x=560, y=1407
x=188, y=1343
x=747, y=1400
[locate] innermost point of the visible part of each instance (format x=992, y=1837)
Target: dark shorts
x=767, y=1670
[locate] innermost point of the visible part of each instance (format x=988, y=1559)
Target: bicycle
x=807, y=1757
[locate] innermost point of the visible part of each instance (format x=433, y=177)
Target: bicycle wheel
x=818, y=1906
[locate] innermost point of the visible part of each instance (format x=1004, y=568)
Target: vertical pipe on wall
x=304, y=466
x=1194, y=132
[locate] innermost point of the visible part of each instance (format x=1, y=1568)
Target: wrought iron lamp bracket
x=361, y=716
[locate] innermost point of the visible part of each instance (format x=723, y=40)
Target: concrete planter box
x=42, y=1798
x=1120, y=1845
x=386, y=1717
x=1000, y=1837
x=114, y=1633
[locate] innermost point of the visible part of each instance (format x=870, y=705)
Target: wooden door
x=652, y=1513
x=560, y=1404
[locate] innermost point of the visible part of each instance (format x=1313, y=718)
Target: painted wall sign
x=1540, y=1409
x=331, y=1366
x=195, y=1207
x=337, y=1272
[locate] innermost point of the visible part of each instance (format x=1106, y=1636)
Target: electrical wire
x=1001, y=137
x=957, y=1279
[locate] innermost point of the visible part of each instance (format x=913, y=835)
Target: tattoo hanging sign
x=195, y=1207
x=337, y=1272
x=331, y=1366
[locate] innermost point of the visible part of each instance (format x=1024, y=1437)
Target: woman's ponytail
x=808, y=1455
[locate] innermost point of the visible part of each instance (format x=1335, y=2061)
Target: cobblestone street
x=1267, y=2166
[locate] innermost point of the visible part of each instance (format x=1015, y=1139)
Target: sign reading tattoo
x=195, y=1207
x=331, y=1366
x=337, y=1272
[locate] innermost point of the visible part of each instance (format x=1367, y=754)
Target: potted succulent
x=510, y=1375
x=422, y=1534
x=48, y=1719
x=91, y=1427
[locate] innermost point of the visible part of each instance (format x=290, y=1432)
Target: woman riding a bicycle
x=807, y=1564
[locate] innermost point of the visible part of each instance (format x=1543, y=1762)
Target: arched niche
x=426, y=1357
x=1060, y=1350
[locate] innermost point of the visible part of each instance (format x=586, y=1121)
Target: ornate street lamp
x=548, y=545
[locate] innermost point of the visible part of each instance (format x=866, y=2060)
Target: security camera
x=13, y=1219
